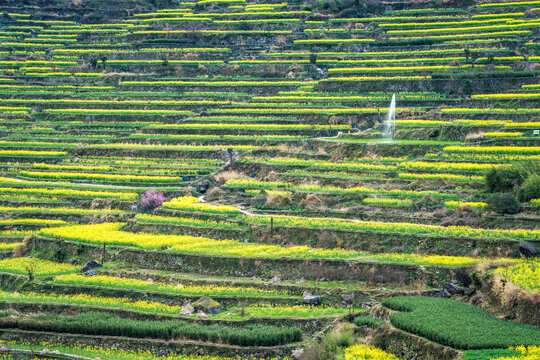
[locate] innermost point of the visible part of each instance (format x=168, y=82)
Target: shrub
x=368, y=321
x=530, y=188
x=151, y=199
x=503, y=179
x=510, y=177
x=342, y=336
x=504, y=203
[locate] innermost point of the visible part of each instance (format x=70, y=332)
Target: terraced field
x=235, y=179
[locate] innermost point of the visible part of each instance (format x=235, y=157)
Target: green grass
x=456, y=324
x=489, y=354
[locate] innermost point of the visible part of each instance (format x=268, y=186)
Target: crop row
x=188, y=221
x=31, y=153
x=126, y=196
x=260, y=310
x=143, y=285
x=188, y=170
x=457, y=324
x=437, y=176
x=363, y=352
x=33, y=266
x=259, y=184
x=403, y=69
x=30, y=221
x=511, y=150
x=105, y=324
x=111, y=234
x=190, y=203
x=174, y=147
x=110, y=352
x=400, y=164
x=390, y=227
x=253, y=127
x=100, y=177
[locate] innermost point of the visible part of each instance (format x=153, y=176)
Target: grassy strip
x=155, y=219
x=103, y=324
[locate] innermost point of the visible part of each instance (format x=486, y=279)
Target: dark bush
x=151, y=199
x=504, y=203
x=509, y=178
x=530, y=188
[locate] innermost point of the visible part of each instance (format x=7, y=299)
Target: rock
x=73, y=261
x=367, y=305
x=275, y=279
x=2, y=347
x=297, y=353
x=201, y=314
x=187, y=310
x=90, y=273
x=452, y=288
x=449, y=289
x=469, y=291
x=301, y=281
x=527, y=249
x=203, y=186
x=91, y=265
x=208, y=305
x=311, y=299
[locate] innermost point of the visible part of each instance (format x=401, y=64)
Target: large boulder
x=187, y=310
x=527, y=250
x=203, y=186
x=207, y=305
x=450, y=289
x=311, y=299
x=91, y=265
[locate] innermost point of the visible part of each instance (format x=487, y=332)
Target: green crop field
x=258, y=179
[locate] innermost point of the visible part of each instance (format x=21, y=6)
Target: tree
x=504, y=203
